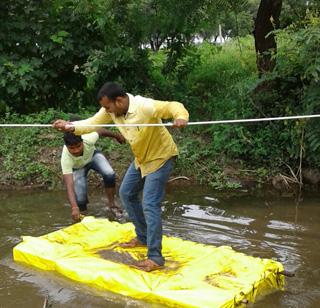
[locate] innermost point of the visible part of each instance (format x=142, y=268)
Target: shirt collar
x=132, y=104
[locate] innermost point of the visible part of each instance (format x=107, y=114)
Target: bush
x=24, y=151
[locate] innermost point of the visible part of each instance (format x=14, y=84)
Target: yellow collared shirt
x=151, y=146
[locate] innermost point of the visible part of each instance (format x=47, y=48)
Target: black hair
x=110, y=90
x=71, y=139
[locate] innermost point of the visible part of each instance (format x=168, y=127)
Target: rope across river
x=283, y=118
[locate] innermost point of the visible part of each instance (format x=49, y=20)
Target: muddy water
x=277, y=228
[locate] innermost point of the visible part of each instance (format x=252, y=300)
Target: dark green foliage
x=296, y=11
x=128, y=67
x=42, y=46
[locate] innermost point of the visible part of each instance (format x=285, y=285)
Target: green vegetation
x=56, y=54
x=29, y=155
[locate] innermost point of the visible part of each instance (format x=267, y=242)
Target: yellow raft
x=195, y=275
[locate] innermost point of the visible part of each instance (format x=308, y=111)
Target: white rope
x=171, y=124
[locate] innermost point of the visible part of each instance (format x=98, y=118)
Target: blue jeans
x=146, y=213
x=100, y=164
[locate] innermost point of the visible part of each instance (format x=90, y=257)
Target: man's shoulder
x=64, y=152
x=140, y=99
x=65, y=155
x=142, y=104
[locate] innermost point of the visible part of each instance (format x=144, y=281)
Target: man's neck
x=127, y=102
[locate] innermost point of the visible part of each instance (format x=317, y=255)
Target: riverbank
x=30, y=159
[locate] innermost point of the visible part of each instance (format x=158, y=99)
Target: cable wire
x=171, y=124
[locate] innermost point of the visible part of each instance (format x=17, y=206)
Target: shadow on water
x=276, y=228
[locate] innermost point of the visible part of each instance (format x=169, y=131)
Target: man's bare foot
x=147, y=265
x=116, y=211
x=132, y=244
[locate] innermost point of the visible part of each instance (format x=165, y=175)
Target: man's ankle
x=110, y=205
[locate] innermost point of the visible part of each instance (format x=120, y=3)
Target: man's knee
x=82, y=206
x=124, y=193
x=109, y=179
x=82, y=200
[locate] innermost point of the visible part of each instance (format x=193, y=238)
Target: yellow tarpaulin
x=195, y=275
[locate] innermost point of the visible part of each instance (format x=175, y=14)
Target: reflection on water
x=270, y=228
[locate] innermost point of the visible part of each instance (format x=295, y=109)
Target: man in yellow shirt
x=154, y=151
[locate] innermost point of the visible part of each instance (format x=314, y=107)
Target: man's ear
x=119, y=101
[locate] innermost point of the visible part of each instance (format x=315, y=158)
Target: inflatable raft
x=195, y=275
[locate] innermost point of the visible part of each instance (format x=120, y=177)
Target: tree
x=266, y=21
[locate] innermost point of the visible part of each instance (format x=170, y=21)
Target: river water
x=268, y=227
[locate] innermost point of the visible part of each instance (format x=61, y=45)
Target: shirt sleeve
x=91, y=138
x=166, y=110
x=66, y=162
x=101, y=117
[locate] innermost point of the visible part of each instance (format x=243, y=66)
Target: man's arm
x=171, y=110
x=75, y=212
x=102, y=132
x=101, y=117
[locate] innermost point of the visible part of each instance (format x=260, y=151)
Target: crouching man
x=79, y=156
